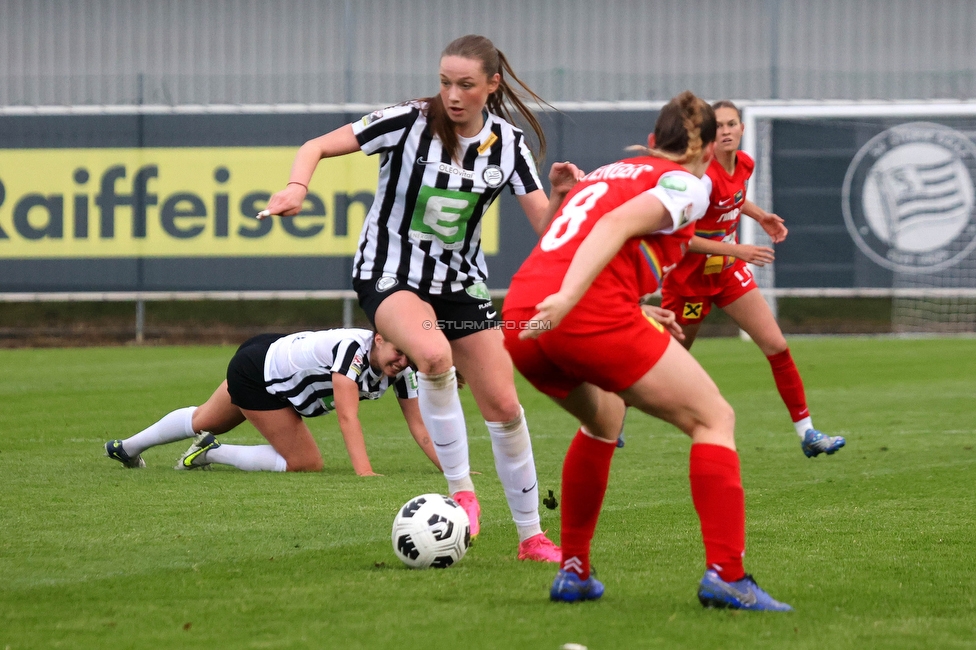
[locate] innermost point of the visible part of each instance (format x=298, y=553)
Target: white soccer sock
x=174, y=426
x=516, y=470
x=440, y=408
x=803, y=426
x=250, y=458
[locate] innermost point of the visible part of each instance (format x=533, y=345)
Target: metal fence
x=178, y=52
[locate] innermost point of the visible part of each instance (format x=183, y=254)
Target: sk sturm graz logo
x=908, y=198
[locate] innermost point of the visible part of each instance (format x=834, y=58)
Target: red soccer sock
x=586, y=471
x=789, y=384
x=716, y=490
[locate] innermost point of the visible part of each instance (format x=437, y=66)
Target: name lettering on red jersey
x=618, y=170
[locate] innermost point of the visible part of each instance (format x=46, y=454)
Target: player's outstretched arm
x=773, y=224
x=346, y=394
x=758, y=255
x=411, y=413
x=288, y=202
x=538, y=207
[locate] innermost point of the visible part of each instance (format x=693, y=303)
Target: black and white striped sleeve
x=349, y=359
x=525, y=178
x=384, y=129
x=405, y=384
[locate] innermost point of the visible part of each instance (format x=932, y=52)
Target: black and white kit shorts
x=245, y=376
x=458, y=314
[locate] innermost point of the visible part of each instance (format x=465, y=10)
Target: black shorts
x=245, y=376
x=458, y=314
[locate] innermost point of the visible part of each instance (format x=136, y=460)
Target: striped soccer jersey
x=299, y=368
x=424, y=226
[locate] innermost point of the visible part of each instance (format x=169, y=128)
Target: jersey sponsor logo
x=714, y=264
x=386, y=283
x=479, y=291
x=692, y=310
x=672, y=183
x=493, y=175
x=446, y=168
x=909, y=196
x=358, y=363
x=731, y=215
x=618, y=170
x=372, y=117
x=442, y=215
x=486, y=145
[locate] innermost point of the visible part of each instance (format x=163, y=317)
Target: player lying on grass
x=272, y=381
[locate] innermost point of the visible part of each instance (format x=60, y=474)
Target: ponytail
x=685, y=126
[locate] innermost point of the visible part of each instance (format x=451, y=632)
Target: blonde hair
x=685, y=126
x=479, y=48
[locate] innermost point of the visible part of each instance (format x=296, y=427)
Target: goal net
x=880, y=200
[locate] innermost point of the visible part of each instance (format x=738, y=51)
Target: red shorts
x=562, y=359
x=692, y=301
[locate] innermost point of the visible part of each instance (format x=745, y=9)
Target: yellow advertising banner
x=181, y=202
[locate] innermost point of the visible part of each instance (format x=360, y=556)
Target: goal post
x=880, y=200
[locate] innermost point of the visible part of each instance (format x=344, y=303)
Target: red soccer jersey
x=721, y=222
x=615, y=292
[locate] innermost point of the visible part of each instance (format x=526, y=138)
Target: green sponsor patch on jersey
x=478, y=290
x=442, y=215
x=673, y=183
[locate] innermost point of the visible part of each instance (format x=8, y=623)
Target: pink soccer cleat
x=540, y=548
x=467, y=500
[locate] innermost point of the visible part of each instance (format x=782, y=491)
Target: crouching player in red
x=715, y=271
x=581, y=338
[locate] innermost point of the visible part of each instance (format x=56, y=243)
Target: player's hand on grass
x=563, y=176
x=369, y=473
x=551, y=312
x=666, y=318
x=758, y=255
x=287, y=202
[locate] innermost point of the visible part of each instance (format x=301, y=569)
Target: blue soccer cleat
x=815, y=443
x=741, y=594
x=620, y=440
x=569, y=588
x=115, y=451
x=196, y=456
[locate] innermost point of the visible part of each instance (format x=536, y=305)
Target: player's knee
x=433, y=360
x=503, y=411
x=773, y=344
x=724, y=417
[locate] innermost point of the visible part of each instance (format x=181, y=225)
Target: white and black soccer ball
x=431, y=531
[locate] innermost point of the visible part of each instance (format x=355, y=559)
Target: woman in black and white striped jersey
x=420, y=271
x=275, y=380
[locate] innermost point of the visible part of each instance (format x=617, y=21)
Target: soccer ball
x=431, y=531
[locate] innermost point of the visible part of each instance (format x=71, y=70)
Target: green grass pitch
x=874, y=547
